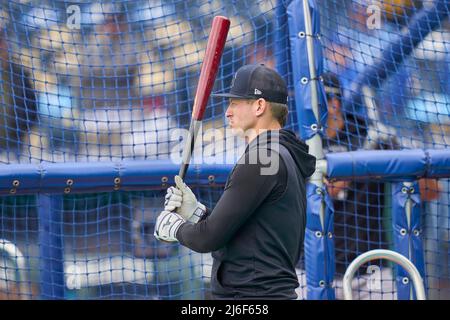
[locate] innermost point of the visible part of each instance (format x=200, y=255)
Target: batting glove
x=183, y=201
x=167, y=225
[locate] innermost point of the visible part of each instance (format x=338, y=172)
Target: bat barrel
x=210, y=65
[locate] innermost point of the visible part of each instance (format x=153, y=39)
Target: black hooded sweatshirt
x=257, y=228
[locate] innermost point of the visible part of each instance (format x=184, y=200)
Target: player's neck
x=257, y=130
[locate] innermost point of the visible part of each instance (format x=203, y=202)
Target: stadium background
x=91, y=89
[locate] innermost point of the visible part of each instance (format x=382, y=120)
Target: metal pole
x=408, y=208
x=383, y=254
x=315, y=143
x=51, y=246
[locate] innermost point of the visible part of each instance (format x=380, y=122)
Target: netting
x=101, y=81
x=108, y=248
x=404, y=105
x=114, y=80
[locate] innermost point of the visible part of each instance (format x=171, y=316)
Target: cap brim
x=229, y=95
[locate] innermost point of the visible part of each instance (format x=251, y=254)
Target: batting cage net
x=96, y=98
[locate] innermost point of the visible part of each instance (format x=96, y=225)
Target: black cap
x=256, y=81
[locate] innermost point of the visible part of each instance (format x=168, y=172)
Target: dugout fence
x=96, y=98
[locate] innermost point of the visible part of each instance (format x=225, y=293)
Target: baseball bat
x=210, y=65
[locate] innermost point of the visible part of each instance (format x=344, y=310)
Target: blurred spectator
x=359, y=223
x=354, y=47
x=109, y=64
x=17, y=99
x=57, y=113
x=398, y=11
x=261, y=54
x=429, y=88
x=360, y=220
x=428, y=108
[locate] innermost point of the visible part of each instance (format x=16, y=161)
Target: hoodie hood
x=305, y=162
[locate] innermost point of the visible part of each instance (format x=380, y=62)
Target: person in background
x=17, y=100
x=360, y=220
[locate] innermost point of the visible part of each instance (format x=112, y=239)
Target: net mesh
x=101, y=81
x=111, y=80
x=405, y=106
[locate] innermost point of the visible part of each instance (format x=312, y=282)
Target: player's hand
x=166, y=227
x=183, y=201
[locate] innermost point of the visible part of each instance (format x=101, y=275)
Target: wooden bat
x=210, y=65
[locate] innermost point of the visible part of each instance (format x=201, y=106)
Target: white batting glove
x=183, y=201
x=167, y=225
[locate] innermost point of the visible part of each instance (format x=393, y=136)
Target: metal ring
x=116, y=187
x=116, y=180
x=304, y=80
x=411, y=190
x=164, y=179
x=301, y=34
x=330, y=235
x=211, y=178
x=318, y=191
x=405, y=280
x=403, y=231
x=66, y=190
x=404, y=190
x=390, y=255
x=69, y=182
x=16, y=183
x=416, y=232
x=318, y=234
x=12, y=191
x=314, y=126
x=322, y=283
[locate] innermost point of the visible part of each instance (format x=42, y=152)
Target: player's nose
x=228, y=112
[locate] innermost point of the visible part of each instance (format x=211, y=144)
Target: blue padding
x=86, y=176
x=410, y=243
x=392, y=165
x=439, y=162
x=81, y=177
x=300, y=66
x=319, y=246
x=28, y=175
x=386, y=164
x=138, y=174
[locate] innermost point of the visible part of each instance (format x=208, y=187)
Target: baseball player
x=256, y=230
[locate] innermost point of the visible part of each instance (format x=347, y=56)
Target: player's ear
x=261, y=106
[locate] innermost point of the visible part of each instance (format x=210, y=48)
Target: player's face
x=241, y=115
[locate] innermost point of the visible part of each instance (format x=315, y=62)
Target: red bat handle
x=210, y=65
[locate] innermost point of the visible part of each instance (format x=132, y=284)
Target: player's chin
x=239, y=132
